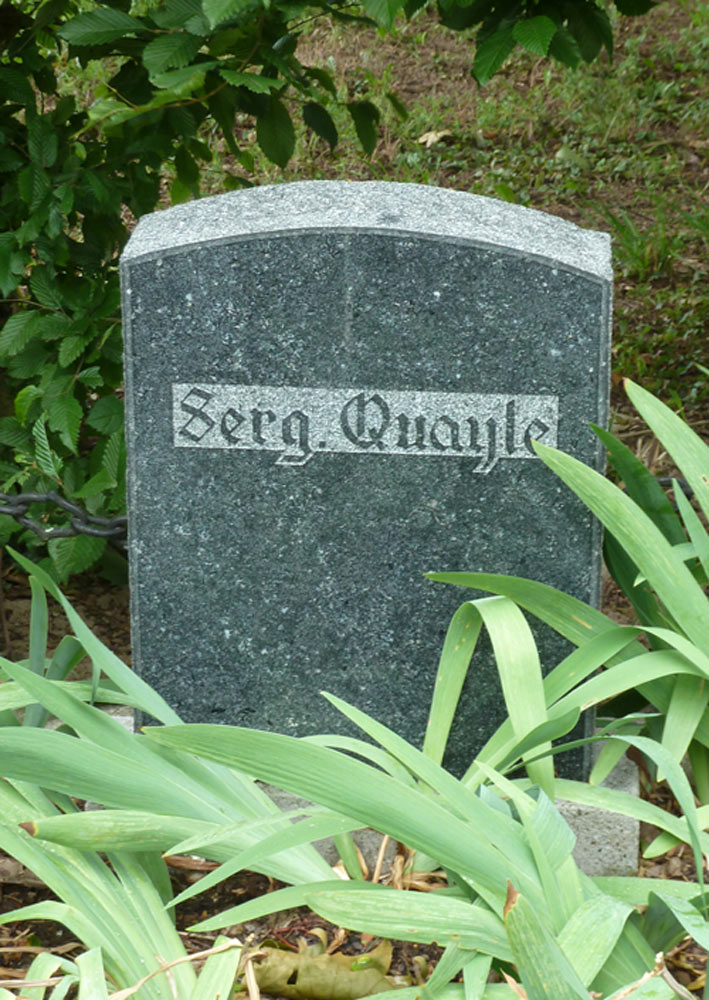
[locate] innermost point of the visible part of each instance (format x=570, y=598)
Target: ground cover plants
x=109, y=113
x=515, y=901
x=620, y=147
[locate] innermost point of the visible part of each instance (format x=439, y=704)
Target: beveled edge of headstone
x=373, y=206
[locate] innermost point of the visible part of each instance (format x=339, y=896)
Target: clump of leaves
x=76, y=173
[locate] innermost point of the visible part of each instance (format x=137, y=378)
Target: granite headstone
x=332, y=388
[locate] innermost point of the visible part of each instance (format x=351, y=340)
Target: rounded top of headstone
x=372, y=206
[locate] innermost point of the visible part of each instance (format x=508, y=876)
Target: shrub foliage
x=76, y=171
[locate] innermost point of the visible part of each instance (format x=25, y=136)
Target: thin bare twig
x=380, y=858
x=195, y=957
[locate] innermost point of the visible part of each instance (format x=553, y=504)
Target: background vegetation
x=116, y=110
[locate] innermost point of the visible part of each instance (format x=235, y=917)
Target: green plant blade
x=92, y=984
x=375, y=754
x=687, y=449
x=695, y=529
x=605, y=647
x=219, y=971
x=176, y=784
x=641, y=486
x=552, y=842
x=499, y=828
x=576, y=621
x=406, y=916
x=545, y=970
x=613, y=800
x=641, y=538
x=693, y=921
x=475, y=975
x=149, y=700
x=325, y=777
x=637, y=891
x=308, y=830
x=458, y=648
x=688, y=704
x=592, y=933
x=118, y=830
x=520, y=673
x=274, y=902
x=13, y=695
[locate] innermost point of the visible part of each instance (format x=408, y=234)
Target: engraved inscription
x=298, y=423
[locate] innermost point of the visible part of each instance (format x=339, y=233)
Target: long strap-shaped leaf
x=656, y=559
x=325, y=777
x=546, y=971
x=518, y=666
x=149, y=699
x=687, y=449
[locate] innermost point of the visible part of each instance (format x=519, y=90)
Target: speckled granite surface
x=331, y=389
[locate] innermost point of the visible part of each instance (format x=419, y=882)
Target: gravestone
x=332, y=388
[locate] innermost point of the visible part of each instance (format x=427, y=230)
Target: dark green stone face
x=332, y=389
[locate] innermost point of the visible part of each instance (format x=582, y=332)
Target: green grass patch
x=618, y=146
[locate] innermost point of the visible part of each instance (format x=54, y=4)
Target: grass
x=620, y=147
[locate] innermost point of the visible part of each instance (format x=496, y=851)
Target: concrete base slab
x=607, y=843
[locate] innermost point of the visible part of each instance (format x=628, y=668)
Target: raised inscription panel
x=298, y=424
x=331, y=389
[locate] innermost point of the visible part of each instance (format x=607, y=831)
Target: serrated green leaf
x=42, y=142
x=91, y=377
x=29, y=361
x=99, y=483
x=320, y=121
x=323, y=78
x=383, y=11
x=187, y=169
x=46, y=459
x=52, y=326
x=74, y=555
x=176, y=12
x=217, y=11
x=491, y=54
x=114, y=455
x=12, y=265
x=535, y=34
x=64, y=416
x=105, y=24
x=38, y=186
x=171, y=51
x=43, y=287
x=184, y=81
x=70, y=349
x=106, y=415
x=398, y=105
x=16, y=87
x=24, y=400
x=13, y=434
x=590, y=27
x=365, y=116
x=18, y=331
x=10, y=160
x=179, y=192
x=564, y=49
x=275, y=133
x=634, y=7
x=252, y=81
